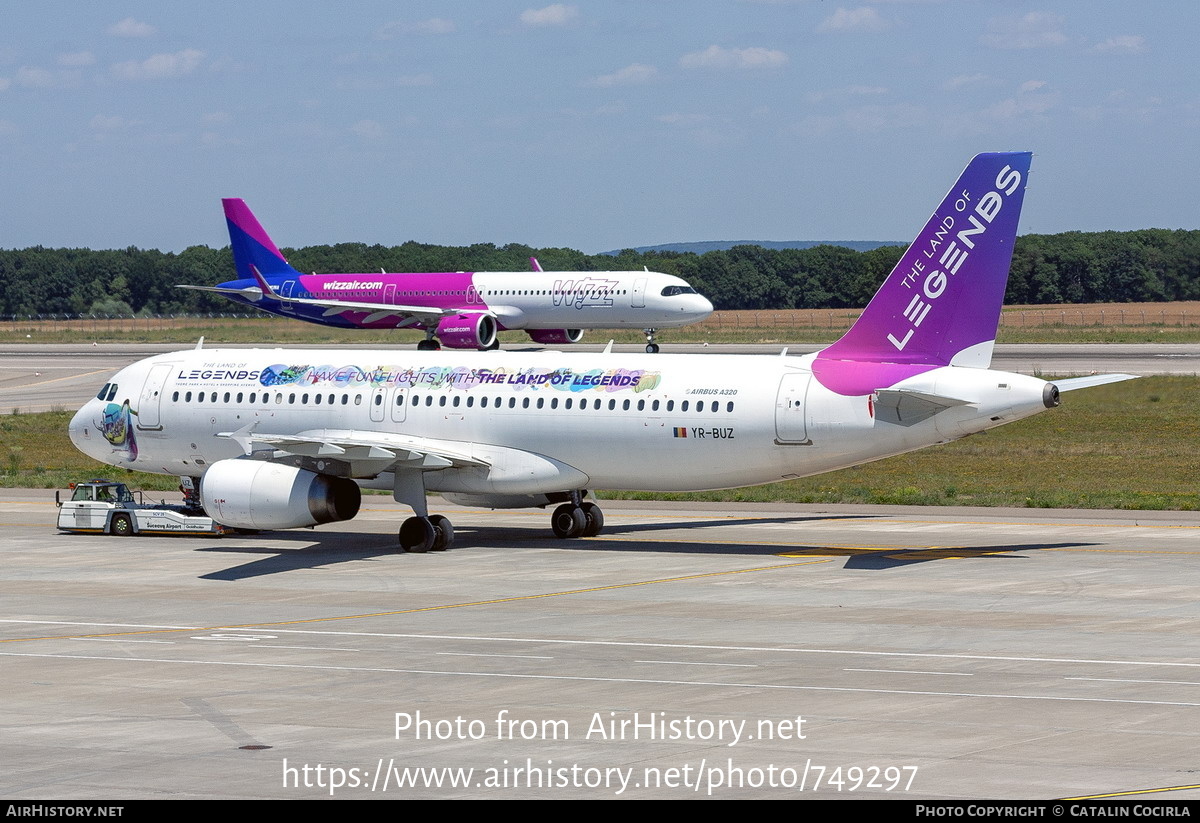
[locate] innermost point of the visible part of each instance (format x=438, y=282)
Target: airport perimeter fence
x=1167, y=314
x=1106, y=315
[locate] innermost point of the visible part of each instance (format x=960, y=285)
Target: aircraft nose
x=700, y=306
x=80, y=429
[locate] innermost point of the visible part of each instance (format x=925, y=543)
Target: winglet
x=533, y=261
x=940, y=305
x=250, y=243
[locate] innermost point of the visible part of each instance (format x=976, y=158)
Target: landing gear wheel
x=595, y=519
x=417, y=535
x=568, y=521
x=445, y=533
x=121, y=525
x=495, y=345
x=428, y=345
x=651, y=346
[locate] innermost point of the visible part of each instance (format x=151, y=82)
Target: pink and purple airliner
x=461, y=310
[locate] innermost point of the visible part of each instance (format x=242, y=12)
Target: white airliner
x=285, y=438
x=459, y=310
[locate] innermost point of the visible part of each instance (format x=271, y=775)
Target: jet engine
x=555, y=337
x=467, y=331
x=253, y=494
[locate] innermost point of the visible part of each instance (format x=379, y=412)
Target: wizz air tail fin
x=940, y=306
x=252, y=247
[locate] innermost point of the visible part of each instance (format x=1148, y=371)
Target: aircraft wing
x=359, y=453
x=377, y=311
x=251, y=292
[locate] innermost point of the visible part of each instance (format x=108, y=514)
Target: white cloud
x=719, y=58
x=79, y=58
x=819, y=96
x=1023, y=106
x=865, y=19
x=964, y=80
x=131, y=28
x=1123, y=44
x=630, y=75
x=1035, y=30
x=553, y=15
x=411, y=81
x=1032, y=85
x=4, y=83
x=33, y=77
x=368, y=129
x=676, y=118
x=160, y=66
x=114, y=122
x=432, y=26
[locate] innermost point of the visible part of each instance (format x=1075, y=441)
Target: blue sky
x=592, y=125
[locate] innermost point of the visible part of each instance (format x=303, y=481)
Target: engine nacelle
x=555, y=337
x=499, y=501
x=467, y=331
x=254, y=494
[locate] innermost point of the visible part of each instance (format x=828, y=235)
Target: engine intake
x=467, y=331
x=253, y=494
x=555, y=337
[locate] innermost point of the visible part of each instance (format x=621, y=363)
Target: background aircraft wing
x=251, y=292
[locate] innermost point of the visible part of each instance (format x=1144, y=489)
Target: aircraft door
x=791, y=416
x=378, y=401
x=399, y=405
x=389, y=294
x=148, y=403
x=286, y=290
x=639, y=293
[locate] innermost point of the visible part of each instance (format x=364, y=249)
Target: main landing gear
x=651, y=346
x=579, y=518
x=426, y=534
x=430, y=343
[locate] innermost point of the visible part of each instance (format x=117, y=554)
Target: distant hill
x=722, y=245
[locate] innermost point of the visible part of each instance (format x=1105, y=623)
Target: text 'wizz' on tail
x=251, y=244
x=940, y=306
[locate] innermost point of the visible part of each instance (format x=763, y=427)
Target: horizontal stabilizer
x=905, y=407
x=1073, y=383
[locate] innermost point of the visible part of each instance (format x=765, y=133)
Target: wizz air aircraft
x=285, y=438
x=462, y=310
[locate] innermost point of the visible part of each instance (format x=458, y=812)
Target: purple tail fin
x=251, y=245
x=940, y=306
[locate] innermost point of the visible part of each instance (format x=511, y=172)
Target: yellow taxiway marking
x=467, y=604
x=24, y=386
x=1134, y=792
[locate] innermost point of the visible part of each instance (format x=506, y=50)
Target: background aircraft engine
x=252, y=494
x=467, y=331
x=555, y=337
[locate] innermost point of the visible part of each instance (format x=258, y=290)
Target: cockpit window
x=672, y=291
x=103, y=391
x=112, y=392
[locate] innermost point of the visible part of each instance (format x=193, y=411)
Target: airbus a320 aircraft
x=285, y=438
x=462, y=310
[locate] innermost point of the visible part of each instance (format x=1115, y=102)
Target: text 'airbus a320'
x=285, y=438
x=459, y=310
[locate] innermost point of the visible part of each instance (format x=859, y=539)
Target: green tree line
x=1072, y=267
